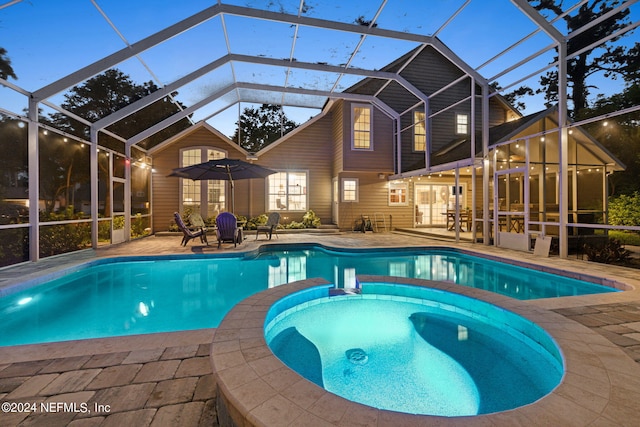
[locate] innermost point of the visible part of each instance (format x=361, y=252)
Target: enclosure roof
x=509, y=132
x=214, y=58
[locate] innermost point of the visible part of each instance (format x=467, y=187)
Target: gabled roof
x=194, y=129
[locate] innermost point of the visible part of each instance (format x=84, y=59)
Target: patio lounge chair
x=190, y=234
x=270, y=226
x=227, y=229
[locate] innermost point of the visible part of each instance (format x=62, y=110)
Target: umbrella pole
x=233, y=198
x=233, y=191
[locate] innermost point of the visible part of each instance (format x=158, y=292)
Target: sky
x=48, y=39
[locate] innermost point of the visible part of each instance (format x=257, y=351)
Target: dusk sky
x=46, y=40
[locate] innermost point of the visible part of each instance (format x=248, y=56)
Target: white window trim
x=456, y=123
x=288, y=209
x=357, y=198
x=353, y=116
x=415, y=123
x=204, y=154
x=406, y=194
x=204, y=151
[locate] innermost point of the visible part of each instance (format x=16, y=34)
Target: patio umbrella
x=223, y=169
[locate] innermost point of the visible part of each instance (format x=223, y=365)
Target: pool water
x=413, y=355
x=139, y=295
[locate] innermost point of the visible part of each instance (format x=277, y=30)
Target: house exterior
x=338, y=164
x=403, y=160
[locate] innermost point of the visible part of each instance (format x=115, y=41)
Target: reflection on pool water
x=414, y=350
x=138, y=295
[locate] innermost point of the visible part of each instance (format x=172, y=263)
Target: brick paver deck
x=619, y=323
x=166, y=379
x=170, y=386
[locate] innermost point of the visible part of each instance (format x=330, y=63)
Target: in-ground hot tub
x=414, y=349
x=254, y=387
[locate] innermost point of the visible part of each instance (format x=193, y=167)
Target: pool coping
x=256, y=389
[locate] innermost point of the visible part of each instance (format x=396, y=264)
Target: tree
x=107, y=93
x=513, y=97
x=93, y=100
x=621, y=136
x=260, y=127
x=14, y=159
x=63, y=165
x=610, y=60
x=5, y=65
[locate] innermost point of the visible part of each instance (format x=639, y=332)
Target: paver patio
x=166, y=379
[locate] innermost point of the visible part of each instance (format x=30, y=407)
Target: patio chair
x=272, y=225
x=190, y=234
x=227, y=229
x=196, y=221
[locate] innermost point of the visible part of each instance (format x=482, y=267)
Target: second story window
x=419, y=131
x=462, y=124
x=361, y=127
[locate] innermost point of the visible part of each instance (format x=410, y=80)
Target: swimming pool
x=139, y=295
x=414, y=349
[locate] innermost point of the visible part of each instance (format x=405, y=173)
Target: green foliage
x=260, y=127
x=14, y=247
x=6, y=70
x=295, y=225
x=241, y=218
x=611, y=252
x=607, y=58
x=311, y=220
x=118, y=222
x=139, y=226
x=625, y=237
x=104, y=231
x=63, y=238
x=253, y=223
x=625, y=210
x=109, y=92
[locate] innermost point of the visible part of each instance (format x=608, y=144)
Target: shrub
x=311, y=220
x=295, y=225
x=625, y=210
x=253, y=223
x=611, y=252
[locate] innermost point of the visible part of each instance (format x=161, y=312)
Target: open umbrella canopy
x=223, y=169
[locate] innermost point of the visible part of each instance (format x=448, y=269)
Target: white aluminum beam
x=538, y=19
x=10, y=3
x=34, y=181
x=125, y=53
x=159, y=94
x=323, y=23
x=178, y=116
